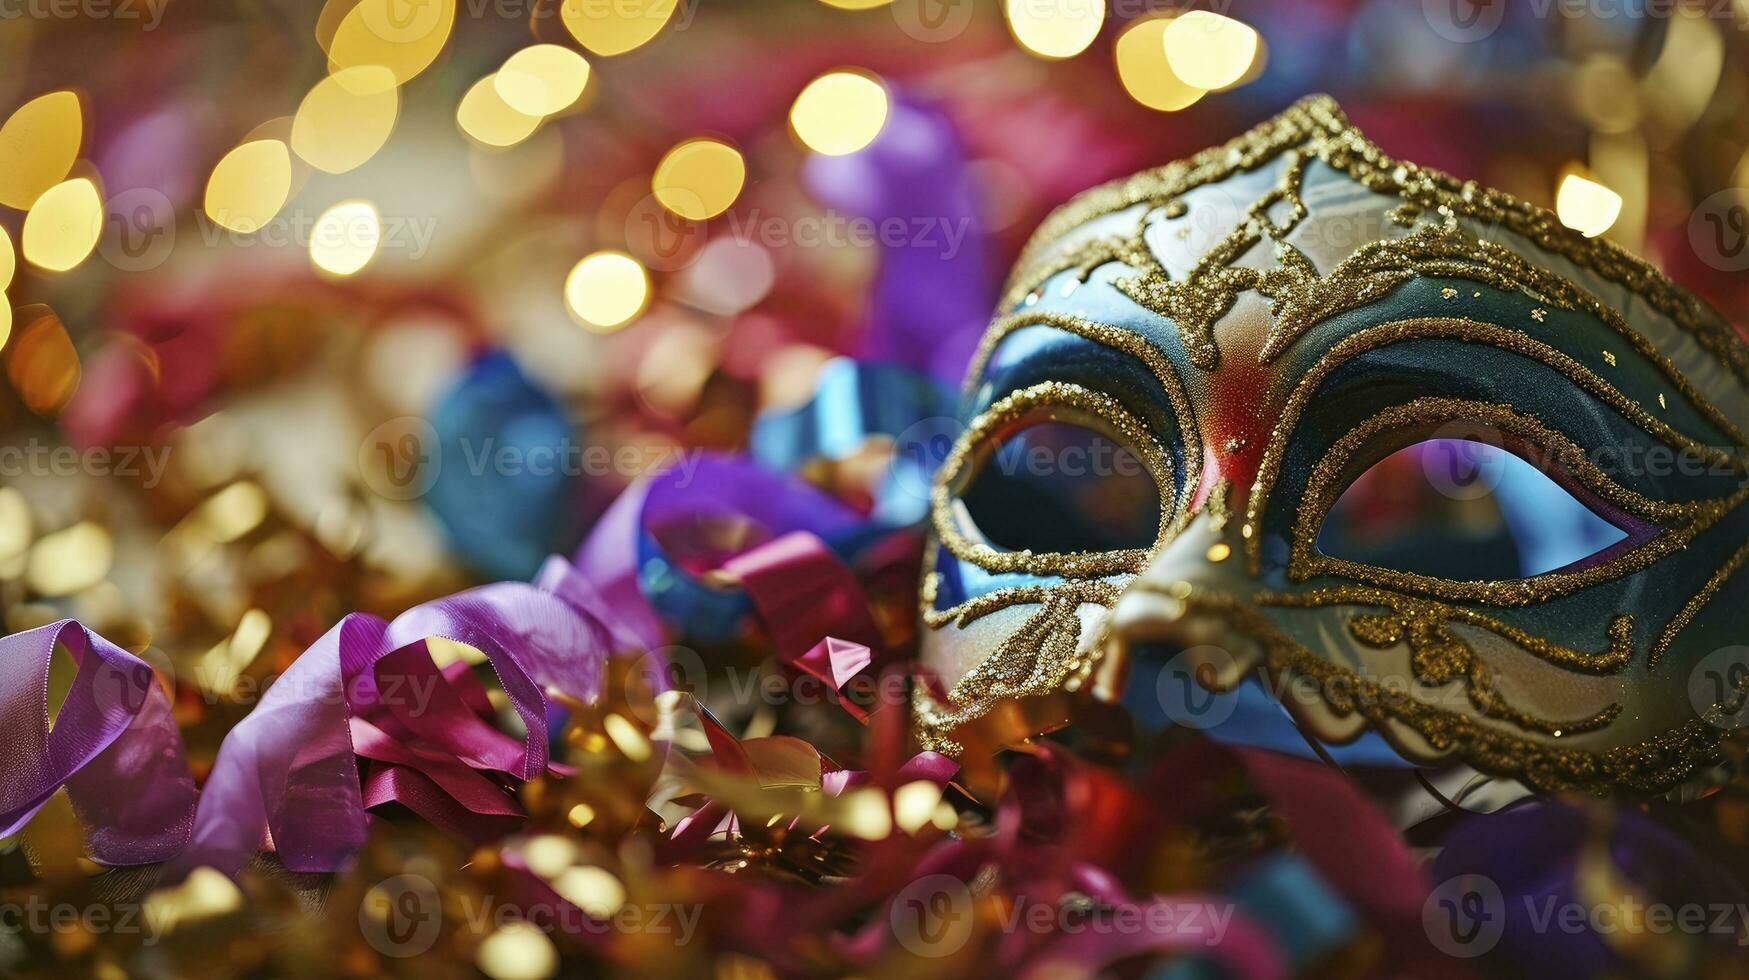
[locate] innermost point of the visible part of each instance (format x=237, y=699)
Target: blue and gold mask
x=1456, y=482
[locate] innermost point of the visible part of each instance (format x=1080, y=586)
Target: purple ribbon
x=288, y=776
x=113, y=745
x=290, y=769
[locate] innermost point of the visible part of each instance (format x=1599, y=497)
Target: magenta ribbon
x=370, y=688
x=114, y=745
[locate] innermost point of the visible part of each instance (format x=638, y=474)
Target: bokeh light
x=517, y=951
x=486, y=118
x=840, y=112
x=63, y=225
x=70, y=561
x=1146, y=73
x=41, y=361
x=607, y=290
x=542, y=79
x=38, y=145
x=1586, y=206
x=8, y=260
x=699, y=178
x=1209, y=50
x=404, y=38
x=346, y=118
x=614, y=28
x=345, y=238
x=1055, y=28
x=249, y=185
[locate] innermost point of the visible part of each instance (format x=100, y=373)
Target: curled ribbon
x=288, y=776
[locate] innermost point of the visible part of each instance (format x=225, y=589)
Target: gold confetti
x=1609, y=358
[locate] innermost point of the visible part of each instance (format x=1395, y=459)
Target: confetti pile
x=326, y=328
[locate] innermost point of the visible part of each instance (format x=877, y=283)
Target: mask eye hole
x=1468, y=511
x=1054, y=486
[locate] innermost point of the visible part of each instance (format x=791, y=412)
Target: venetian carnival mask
x=1439, y=478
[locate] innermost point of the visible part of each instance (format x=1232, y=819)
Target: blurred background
x=312, y=308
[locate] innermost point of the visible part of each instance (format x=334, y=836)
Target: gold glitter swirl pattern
x=1383, y=335
x=1680, y=521
x=1037, y=659
x=1412, y=617
x=1118, y=339
x=1648, y=766
x=1316, y=128
x=1050, y=400
x=1696, y=603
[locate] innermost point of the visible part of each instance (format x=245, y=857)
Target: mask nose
x=1172, y=613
